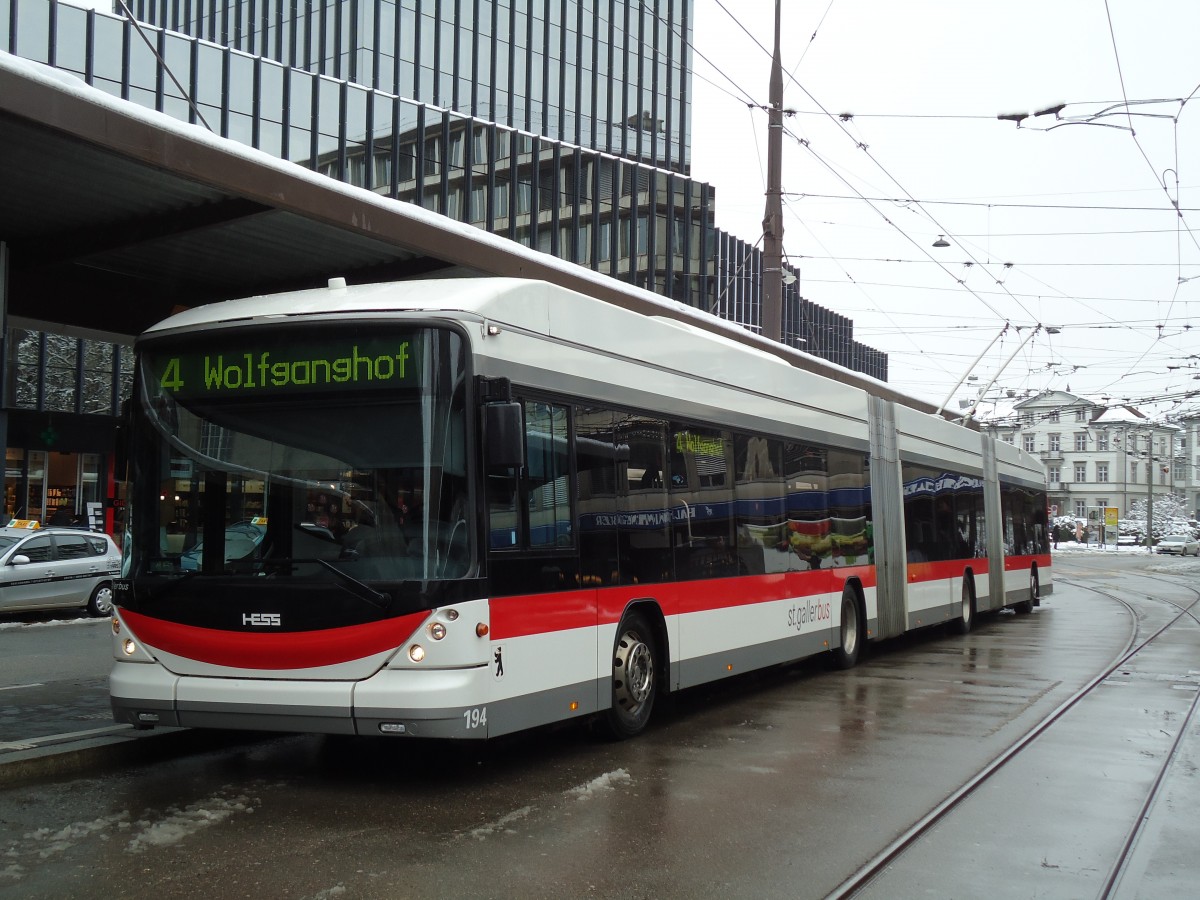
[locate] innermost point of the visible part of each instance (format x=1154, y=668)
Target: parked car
x=50, y=568
x=1179, y=544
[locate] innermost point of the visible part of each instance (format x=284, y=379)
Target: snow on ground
x=1164, y=563
x=502, y=824
x=1072, y=547
x=162, y=829
x=605, y=782
x=176, y=824
x=82, y=620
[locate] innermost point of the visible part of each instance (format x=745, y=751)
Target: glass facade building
x=622, y=205
x=610, y=75
x=560, y=124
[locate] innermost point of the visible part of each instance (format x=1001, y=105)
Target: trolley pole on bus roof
x=772, y=288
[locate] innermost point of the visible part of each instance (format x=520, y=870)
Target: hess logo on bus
x=270, y=620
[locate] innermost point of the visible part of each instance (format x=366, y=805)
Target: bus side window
x=530, y=508
x=502, y=509
x=547, y=476
x=596, y=460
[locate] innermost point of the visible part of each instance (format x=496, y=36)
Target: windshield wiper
x=175, y=577
x=364, y=591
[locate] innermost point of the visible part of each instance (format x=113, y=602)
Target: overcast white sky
x=924, y=81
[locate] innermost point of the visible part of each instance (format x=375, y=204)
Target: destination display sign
x=246, y=371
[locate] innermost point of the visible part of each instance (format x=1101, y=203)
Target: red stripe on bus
x=522, y=615
x=702, y=596
x=285, y=650
x=1013, y=563
x=920, y=572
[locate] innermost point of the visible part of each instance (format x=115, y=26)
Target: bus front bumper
x=429, y=703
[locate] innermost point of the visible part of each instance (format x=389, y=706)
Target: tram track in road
x=890, y=855
x=1112, y=882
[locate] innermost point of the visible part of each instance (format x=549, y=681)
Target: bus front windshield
x=332, y=453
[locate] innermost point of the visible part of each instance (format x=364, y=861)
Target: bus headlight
x=437, y=630
x=128, y=647
x=416, y=653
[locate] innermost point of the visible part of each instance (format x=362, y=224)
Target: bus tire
x=845, y=655
x=1026, y=606
x=634, y=678
x=966, y=615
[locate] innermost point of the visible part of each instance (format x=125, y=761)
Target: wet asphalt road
x=53, y=675
x=778, y=785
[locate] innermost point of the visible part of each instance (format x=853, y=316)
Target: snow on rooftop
x=1120, y=415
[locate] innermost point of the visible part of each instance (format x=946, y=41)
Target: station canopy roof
x=115, y=215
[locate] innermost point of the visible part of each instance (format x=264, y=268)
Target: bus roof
x=484, y=296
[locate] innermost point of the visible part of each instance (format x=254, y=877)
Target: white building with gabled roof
x=1098, y=454
x=1188, y=461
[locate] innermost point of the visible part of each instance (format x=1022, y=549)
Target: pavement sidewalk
x=66, y=728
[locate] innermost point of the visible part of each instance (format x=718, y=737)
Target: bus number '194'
x=476, y=718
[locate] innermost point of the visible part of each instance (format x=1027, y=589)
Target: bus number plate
x=476, y=718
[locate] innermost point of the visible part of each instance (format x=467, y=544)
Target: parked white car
x=1179, y=544
x=53, y=568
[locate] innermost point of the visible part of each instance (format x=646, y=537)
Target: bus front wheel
x=634, y=678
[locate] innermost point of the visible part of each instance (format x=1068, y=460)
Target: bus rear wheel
x=1026, y=606
x=634, y=678
x=846, y=655
x=966, y=615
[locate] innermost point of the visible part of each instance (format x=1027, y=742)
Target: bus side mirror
x=504, y=431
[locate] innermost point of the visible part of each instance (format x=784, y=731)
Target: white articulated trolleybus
x=460, y=508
